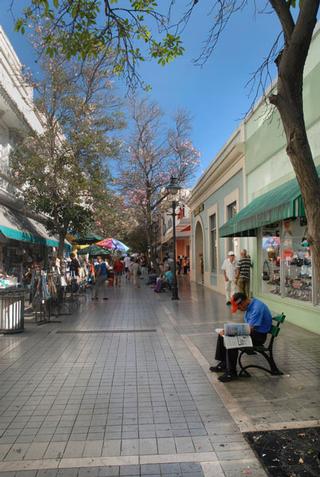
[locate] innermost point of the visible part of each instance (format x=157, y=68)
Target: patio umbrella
x=113, y=244
x=93, y=250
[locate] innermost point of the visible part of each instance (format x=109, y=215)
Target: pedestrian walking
x=136, y=272
x=143, y=265
x=243, y=268
x=127, y=265
x=101, y=273
x=91, y=272
x=229, y=272
x=74, y=268
x=185, y=264
x=118, y=267
x=178, y=266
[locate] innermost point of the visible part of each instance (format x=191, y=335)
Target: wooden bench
x=265, y=350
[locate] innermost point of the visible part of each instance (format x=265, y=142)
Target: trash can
x=12, y=310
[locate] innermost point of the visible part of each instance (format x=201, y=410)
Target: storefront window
x=296, y=259
x=271, y=260
x=286, y=261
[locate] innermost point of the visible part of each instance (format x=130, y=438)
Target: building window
x=287, y=262
x=231, y=212
x=213, y=241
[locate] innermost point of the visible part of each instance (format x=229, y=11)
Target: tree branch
x=282, y=9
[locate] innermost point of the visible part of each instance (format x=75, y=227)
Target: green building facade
x=249, y=198
x=283, y=273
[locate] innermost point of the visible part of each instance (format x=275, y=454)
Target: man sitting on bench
x=259, y=317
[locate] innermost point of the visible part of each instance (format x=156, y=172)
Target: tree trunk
x=151, y=244
x=150, y=230
x=289, y=102
x=62, y=236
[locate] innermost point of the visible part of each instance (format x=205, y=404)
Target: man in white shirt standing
x=229, y=272
x=127, y=265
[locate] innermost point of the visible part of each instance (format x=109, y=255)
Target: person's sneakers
x=228, y=303
x=219, y=368
x=228, y=376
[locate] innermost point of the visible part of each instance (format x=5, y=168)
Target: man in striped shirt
x=243, y=273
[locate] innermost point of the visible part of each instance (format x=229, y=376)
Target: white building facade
x=23, y=236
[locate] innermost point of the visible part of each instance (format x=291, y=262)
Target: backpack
x=103, y=269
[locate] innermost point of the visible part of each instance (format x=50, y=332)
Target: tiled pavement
x=123, y=388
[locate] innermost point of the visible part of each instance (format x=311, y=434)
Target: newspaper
x=237, y=335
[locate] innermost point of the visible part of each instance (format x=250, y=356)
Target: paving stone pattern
x=115, y=395
x=183, y=469
x=276, y=399
x=94, y=389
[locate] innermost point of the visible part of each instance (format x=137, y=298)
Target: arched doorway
x=199, y=258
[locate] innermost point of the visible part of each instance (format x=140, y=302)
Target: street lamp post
x=172, y=190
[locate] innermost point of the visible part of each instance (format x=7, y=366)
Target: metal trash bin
x=12, y=310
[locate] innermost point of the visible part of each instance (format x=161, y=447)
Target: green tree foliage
x=136, y=239
x=89, y=27
x=85, y=27
x=63, y=171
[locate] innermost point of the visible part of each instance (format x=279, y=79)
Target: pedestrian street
x=122, y=388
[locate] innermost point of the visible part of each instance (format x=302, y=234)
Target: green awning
x=87, y=238
x=16, y=226
x=281, y=203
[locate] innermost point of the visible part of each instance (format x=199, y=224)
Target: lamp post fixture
x=172, y=190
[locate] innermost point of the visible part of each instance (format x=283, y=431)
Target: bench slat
x=266, y=352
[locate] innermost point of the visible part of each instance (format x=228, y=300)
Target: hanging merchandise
x=266, y=271
x=304, y=240
x=39, y=289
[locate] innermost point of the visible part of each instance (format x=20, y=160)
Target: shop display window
x=287, y=262
x=271, y=244
x=296, y=259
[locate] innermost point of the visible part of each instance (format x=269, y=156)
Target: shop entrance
x=199, y=258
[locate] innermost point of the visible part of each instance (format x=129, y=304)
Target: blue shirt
x=102, y=267
x=258, y=316
x=169, y=276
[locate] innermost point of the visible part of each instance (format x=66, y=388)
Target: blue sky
x=215, y=94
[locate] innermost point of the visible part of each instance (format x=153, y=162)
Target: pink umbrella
x=113, y=244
